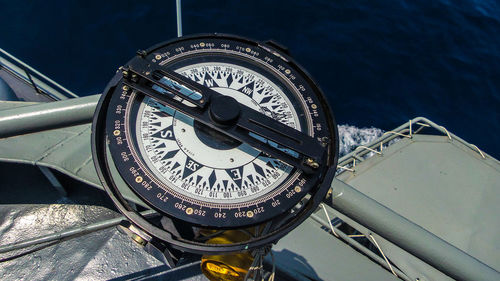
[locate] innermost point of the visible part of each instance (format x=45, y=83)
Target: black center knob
x=224, y=110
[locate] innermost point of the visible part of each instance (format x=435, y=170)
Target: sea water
x=380, y=63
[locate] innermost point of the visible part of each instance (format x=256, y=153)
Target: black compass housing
x=311, y=152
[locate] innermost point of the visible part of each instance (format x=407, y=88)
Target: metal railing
x=41, y=83
x=375, y=218
x=407, y=130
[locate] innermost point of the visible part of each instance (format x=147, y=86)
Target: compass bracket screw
x=142, y=53
x=137, y=235
x=139, y=240
x=311, y=163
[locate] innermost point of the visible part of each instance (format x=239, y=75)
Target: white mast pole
x=179, y=18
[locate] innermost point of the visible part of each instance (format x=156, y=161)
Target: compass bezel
x=178, y=207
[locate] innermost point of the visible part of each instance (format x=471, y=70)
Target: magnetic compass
x=215, y=132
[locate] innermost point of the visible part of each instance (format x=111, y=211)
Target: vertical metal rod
x=179, y=18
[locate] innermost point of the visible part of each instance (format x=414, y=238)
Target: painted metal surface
x=409, y=236
x=436, y=182
x=6, y=93
x=99, y=255
x=78, y=241
x=106, y=253
x=46, y=116
x=441, y=184
x=353, y=241
x=310, y=253
x=66, y=150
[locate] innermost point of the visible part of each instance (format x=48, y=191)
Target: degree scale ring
x=184, y=169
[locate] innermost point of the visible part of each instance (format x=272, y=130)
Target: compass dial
x=186, y=169
x=201, y=164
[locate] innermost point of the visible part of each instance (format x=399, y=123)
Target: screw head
x=138, y=239
x=311, y=163
x=142, y=53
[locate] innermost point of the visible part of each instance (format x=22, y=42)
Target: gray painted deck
x=441, y=185
x=434, y=181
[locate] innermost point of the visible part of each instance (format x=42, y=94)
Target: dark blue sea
x=380, y=62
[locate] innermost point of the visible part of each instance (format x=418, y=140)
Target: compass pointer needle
x=169, y=83
x=230, y=118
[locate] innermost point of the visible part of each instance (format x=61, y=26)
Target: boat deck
x=445, y=186
x=441, y=185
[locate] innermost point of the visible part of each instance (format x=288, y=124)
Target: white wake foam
x=351, y=137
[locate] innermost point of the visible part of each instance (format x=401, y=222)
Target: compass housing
x=194, y=168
